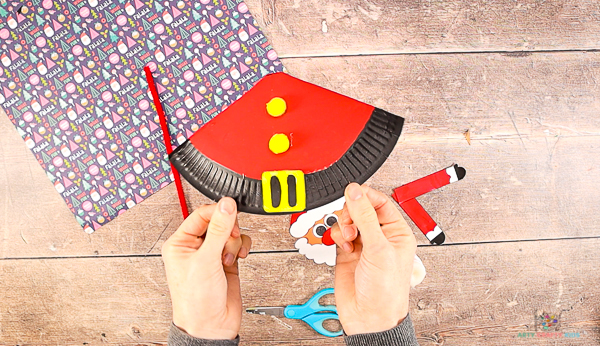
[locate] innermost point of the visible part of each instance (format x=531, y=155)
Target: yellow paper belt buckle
x=281, y=185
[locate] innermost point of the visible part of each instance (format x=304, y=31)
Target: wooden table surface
x=522, y=228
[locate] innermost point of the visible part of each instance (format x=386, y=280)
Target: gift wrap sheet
x=73, y=84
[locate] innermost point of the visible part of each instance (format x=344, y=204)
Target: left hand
x=202, y=272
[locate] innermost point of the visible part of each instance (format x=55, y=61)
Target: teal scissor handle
x=315, y=321
x=312, y=306
x=314, y=314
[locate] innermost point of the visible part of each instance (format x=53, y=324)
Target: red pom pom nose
x=327, y=238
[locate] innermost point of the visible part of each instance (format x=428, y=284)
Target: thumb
x=220, y=227
x=364, y=216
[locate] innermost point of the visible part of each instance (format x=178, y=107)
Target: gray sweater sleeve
x=401, y=335
x=178, y=337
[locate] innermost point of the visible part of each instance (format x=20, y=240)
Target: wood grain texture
x=322, y=27
x=541, y=190
x=473, y=294
x=495, y=96
x=531, y=169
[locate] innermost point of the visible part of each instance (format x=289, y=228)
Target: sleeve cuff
x=178, y=337
x=401, y=335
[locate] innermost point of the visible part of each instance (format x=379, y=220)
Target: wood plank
x=512, y=107
x=541, y=190
x=495, y=96
x=472, y=294
x=322, y=27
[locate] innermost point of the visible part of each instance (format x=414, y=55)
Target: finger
x=234, y=295
x=392, y=222
x=219, y=228
x=236, y=229
x=385, y=209
x=338, y=236
x=345, y=219
x=230, y=252
x=236, y=247
x=246, y=246
x=193, y=227
x=349, y=233
x=364, y=216
x=344, y=258
x=233, y=245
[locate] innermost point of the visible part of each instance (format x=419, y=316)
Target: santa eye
x=330, y=220
x=319, y=230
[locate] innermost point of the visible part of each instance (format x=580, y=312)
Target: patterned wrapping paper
x=72, y=82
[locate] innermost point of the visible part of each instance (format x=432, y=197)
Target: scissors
x=311, y=312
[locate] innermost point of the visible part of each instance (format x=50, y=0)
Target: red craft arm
x=429, y=183
x=421, y=218
x=405, y=196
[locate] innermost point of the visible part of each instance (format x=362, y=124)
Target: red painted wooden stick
x=167, y=139
x=423, y=220
x=429, y=183
x=405, y=196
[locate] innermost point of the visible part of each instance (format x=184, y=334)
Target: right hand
x=202, y=271
x=374, y=262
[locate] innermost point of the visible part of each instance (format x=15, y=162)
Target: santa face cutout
x=320, y=232
x=313, y=230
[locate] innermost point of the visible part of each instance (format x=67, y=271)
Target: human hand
x=374, y=264
x=202, y=272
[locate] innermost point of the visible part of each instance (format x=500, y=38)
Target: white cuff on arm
x=401, y=335
x=178, y=337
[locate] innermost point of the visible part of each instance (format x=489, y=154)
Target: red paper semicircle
x=321, y=126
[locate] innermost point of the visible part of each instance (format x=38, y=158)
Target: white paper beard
x=320, y=253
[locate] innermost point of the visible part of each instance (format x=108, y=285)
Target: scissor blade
x=272, y=311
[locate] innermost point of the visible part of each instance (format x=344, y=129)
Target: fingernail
x=226, y=206
x=348, y=232
x=354, y=192
x=347, y=247
x=228, y=260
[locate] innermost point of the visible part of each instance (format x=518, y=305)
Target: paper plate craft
x=287, y=146
x=405, y=196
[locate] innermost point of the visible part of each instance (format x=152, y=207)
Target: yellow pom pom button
x=279, y=143
x=276, y=107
